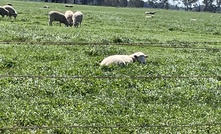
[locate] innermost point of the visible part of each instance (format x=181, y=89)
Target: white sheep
x=10, y=4
x=69, y=16
x=45, y=6
x=12, y=11
x=150, y=12
x=77, y=18
x=124, y=59
x=3, y=12
x=67, y=5
x=57, y=16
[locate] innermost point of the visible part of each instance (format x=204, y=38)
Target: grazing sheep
x=12, y=11
x=3, y=12
x=124, y=59
x=69, y=16
x=77, y=18
x=57, y=16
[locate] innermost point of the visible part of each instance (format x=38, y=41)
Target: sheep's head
x=71, y=24
x=76, y=24
x=140, y=57
x=14, y=15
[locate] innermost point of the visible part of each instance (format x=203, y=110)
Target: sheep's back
x=116, y=59
x=10, y=9
x=3, y=11
x=78, y=16
x=55, y=15
x=68, y=15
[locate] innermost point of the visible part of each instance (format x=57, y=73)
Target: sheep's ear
x=135, y=56
x=145, y=56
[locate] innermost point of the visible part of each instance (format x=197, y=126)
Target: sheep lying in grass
x=124, y=59
x=3, y=12
x=77, y=18
x=57, y=16
x=45, y=6
x=150, y=12
x=69, y=16
x=11, y=10
x=10, y=4
x=67, y=5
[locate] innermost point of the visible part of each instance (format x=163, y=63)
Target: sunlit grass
x=67, y=101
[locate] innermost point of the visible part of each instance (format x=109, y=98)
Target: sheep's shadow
x=110, y=68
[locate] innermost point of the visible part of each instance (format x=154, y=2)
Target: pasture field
x=60, y=88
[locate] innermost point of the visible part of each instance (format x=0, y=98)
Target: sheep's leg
x=50, y=23
x=77, y=24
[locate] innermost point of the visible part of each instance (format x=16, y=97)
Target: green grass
x=44, y=101
x=105, y=24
